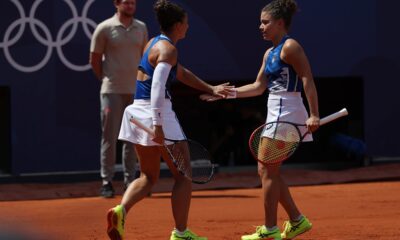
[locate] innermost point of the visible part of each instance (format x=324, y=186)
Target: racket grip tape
x=334, y=116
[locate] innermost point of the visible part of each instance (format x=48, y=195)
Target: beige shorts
x=141, y=111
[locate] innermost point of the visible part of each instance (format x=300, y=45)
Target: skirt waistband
x=285, y=95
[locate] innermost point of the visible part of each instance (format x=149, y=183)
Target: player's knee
x=263, y=174
x=268, y=172
x=262, y=171
x=150, y=179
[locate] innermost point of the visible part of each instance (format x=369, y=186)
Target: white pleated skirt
x=289, y=107
x=141, y=111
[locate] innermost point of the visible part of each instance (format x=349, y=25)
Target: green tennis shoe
x=294, y=229
x=187, y=235
x=116, y=221
x=263, y=234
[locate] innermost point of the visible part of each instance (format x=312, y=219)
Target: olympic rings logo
x=47, y=40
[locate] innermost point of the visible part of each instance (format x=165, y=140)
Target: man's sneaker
x=293, y=229
x=188, y=235
x=115, y=223
x=107, y=190
x=263, y=234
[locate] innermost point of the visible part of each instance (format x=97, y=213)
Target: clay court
x=354, y=204
x=59, y=72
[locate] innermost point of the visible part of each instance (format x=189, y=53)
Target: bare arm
x=293, y=54
x=95, y=60
x=187, y=77
x=97, y=47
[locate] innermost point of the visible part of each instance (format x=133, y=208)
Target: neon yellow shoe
x=293, y=229
x=116, y=221
x=188, y=235
x=263, y=234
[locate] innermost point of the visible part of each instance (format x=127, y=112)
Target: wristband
x=156, y=116
x=232, y=94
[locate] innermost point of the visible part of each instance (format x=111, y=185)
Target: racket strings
x=275, y=150
x=274, y=142
x=180, y=161
x=195, y=164
x=201, y=165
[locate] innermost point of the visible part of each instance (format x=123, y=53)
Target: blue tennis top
x=281, y=76
x=143, y=88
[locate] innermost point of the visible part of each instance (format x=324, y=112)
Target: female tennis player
x=152, y=106
x=285, y=71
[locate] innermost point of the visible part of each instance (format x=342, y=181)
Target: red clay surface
x=346, y=211
x=353, y=211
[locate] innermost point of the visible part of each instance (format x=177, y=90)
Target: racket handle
x=334, y=116
x=142, y=126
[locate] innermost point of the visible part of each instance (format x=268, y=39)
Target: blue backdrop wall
x=44, y=49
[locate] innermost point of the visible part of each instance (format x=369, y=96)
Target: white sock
x=298, y=219
x=271, y=229
x=180, y=233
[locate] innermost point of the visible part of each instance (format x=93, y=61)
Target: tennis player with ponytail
x=285, y=71
x=152, y=107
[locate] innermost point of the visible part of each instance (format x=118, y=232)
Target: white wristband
x=232, y=94
x=156, y=116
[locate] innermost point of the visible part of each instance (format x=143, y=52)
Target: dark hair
x=282, y=9
x=168, y=14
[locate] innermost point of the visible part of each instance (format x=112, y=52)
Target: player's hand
x=210, y=98
x=312, y=123
x=158, y=134
x=223, y=90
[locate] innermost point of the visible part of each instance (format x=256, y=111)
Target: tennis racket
x=190, y=158
x=274, y=142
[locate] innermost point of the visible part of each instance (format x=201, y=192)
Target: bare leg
x=181, y=197
x=181, y=192
x=274, y=187
x=149, y=158
x=270, y=180
x=286, y=200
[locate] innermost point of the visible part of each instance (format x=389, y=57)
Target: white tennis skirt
x=141, y=111
x=289, y=107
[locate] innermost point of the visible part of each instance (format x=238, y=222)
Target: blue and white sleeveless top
x=281, y=76
x=143, y=88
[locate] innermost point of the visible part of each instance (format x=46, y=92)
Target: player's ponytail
x=168, y=14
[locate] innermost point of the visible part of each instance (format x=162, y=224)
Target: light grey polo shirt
x=122, y=49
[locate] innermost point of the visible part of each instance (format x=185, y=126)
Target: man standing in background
x=115, y=51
